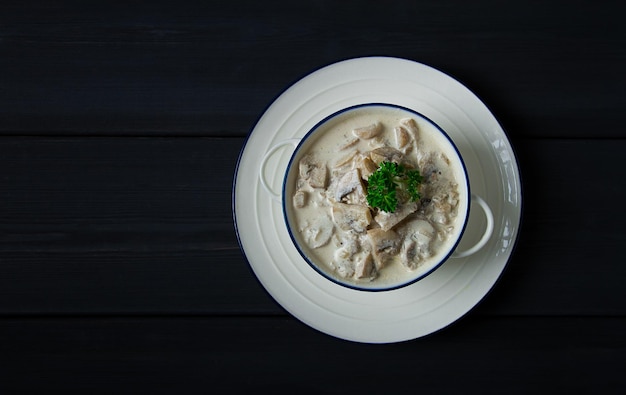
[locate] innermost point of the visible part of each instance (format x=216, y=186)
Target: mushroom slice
x=351, y=217
x=349, y=143
x=344, y=160
x=342, y=263
x=350, y=244
x=344, y=268
x=348, y=183
x=366, y=166
x=441, y=209
x=364, y=267
x=389, y=220
x=408, y=255
x=318, y=232
x=313, y=171
x=369, y=131
x=420, y=230
x=402, y=136
x=417, y=244
x=299, y=199
x=385, y=244
x=386, y=154
x=411, y=126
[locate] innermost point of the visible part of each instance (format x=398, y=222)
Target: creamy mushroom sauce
x=330, y=217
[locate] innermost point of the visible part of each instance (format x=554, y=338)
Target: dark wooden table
x=120, y=129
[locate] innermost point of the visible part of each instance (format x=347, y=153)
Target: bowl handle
x=488, y=231
x=270, y=152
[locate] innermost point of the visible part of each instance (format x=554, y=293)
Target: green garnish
x=390, y=182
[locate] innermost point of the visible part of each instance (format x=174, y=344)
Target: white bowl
x=342, y=122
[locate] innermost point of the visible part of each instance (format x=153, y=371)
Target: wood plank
x=244, y=354
x=87, y=224
x=208, y=69
x=144, y=225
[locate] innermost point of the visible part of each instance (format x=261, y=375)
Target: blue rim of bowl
x=323, y=272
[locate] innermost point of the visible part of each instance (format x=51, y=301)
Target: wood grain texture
x=240, y=355
x=547, y=69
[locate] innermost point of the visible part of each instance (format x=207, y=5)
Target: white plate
x=433, y=302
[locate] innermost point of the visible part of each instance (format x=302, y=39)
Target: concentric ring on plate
x=422, y=307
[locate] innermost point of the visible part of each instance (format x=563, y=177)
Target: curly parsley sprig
x=390, y=178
